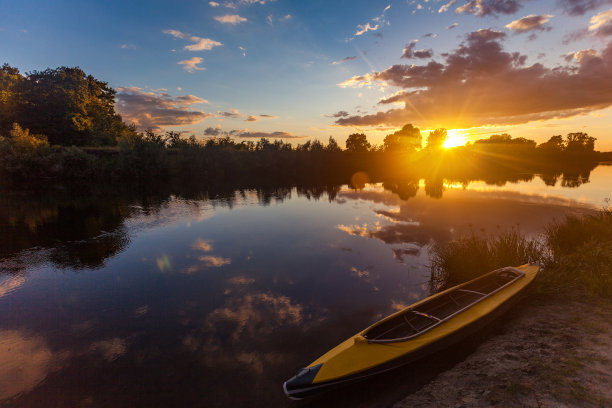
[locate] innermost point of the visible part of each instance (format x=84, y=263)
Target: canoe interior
x=419, y=319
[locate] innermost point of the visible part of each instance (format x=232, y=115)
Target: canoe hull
x=301, y=389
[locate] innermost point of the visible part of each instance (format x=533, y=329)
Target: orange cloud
x=481, y=84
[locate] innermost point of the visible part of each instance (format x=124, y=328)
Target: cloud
x=155, y=110
x=128, y=47
x=211, y=131
x=409, y=51
x=446, y=6
x=191, y=64
x=213, y=4
x=450, y=27
x=230, y=19
x=251, y=118
x=530, y=23
x=377, y=22
x=362, y=29
x=267, y=135
x=430, y=35
x=601, y=24
x=580, y=55
x=479, y=83
x=199, y=44
x=343, y=60
x=231, y=114
x=581, y=7
x=483, y=8
x=263, y=115
x=340, y=114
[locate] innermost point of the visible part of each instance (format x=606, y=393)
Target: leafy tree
x=332, y=145
x=408, y=139
x=11, y=83
x=65, y=104
x=357, y=142
x=580, y=142
x=436, y=139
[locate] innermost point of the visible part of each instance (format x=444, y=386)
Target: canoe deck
x=414, y=321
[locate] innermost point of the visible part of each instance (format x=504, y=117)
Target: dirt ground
x=554, y=353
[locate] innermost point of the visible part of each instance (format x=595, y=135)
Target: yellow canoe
x=416, y=331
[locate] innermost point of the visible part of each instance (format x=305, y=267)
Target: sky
x=310, y=69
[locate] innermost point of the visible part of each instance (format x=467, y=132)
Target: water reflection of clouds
x=421, y=219
x=25, y=361
x=208, y=260
x=10, y=283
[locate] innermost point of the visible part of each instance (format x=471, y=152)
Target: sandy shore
x=554, y=353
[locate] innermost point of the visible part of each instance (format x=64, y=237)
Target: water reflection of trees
x=84, y=230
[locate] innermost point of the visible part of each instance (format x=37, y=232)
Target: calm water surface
x=216, y=299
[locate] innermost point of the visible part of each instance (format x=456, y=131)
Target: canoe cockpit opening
x=419, y=319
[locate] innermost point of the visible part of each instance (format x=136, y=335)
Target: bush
x=469, y=257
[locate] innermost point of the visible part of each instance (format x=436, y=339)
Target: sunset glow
x=455, y=138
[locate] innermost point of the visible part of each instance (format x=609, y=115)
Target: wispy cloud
x=230, y=19
x=156, y=110
x=450, y=27
x=483, y=8
x=530, y=23
x=446, y=6
x=192, y=64
x=376, y=23
x=343, y=60
x=362, y=29
x=199, y=43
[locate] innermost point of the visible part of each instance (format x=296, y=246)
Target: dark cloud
x=232, y=114
x=450, y=27
x=530, y=23
x=156, y=110
x=211, y=131
x=483, y=8
x=251, y=118
x=263, y=115
x=409, y=51
x=430, y=35
x=580, y=7
x=340, y=114
x=479, y=83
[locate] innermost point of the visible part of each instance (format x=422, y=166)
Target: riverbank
x=555, y=352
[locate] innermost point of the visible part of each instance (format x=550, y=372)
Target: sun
x=455, y=137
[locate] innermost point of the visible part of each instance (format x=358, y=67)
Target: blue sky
x=297, y=67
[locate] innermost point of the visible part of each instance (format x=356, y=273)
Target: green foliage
x=581, y=253
x=67, y=105
x=408, y=139
x=576, y=255
x=471, y=256
x=357, y=142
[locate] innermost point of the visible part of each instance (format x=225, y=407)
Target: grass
x=575, y=255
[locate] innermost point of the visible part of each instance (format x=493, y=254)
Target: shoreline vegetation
x=59, y=126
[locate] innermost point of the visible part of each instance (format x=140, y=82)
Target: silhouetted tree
x=554, y=144
x=436, y=139
x=357, y=142
x=332, y=145
x=408, y=139
x=580, y=142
